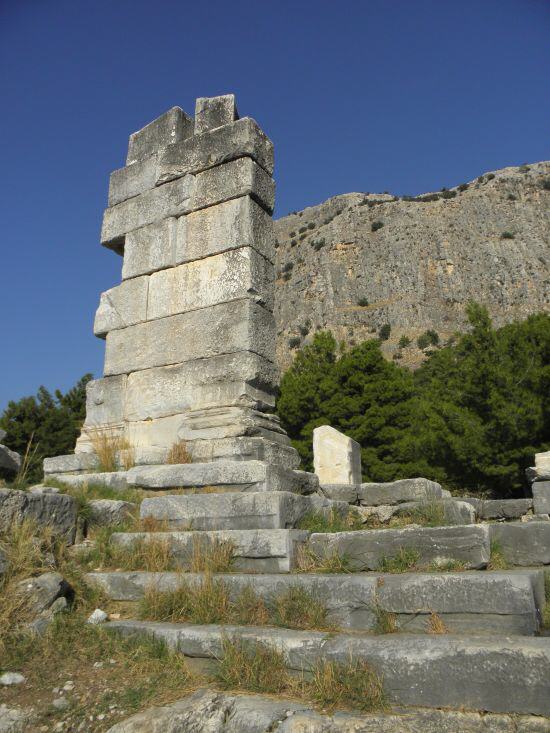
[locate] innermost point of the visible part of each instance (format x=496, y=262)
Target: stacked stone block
x=190, y=333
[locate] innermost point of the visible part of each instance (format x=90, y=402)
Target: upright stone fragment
x=336, y=458
x=171, y=127
x=212, y=112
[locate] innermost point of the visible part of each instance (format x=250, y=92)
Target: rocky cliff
x=360, y=261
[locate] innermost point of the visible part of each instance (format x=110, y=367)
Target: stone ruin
x=190, y=333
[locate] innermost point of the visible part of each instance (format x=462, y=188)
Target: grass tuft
x=435, y=624
x=354, y=684
x=297, y=608
x=112, y=450
x=251, y=666
x=406, y=559
x=332, y=521
x=386, y=622
x=211, y=556
x=179, y=453
x=331, y=562
x=497, y=561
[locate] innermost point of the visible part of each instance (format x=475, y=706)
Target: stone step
x=468, y=545
x=490, y=603
x=503, y=674
x=224, y=476
x=255, y=550
x=522, y=543
x=246, y=510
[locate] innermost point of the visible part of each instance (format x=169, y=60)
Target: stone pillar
x=336, y=458
x=190, y=333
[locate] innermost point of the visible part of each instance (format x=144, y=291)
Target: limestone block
x=222, y=329
x=230, y=422
x=150, y=248
x=240, y=273
x=256, y=550
x=542, y=462
x=396, y=492
x=230, y=475
x=212, y=112
x=242, y=177
x=453, y=511
x=366, y=549
x=110, y=512
x=336, y=457
x=244, y=448
x=115, y=480
x=72, y=463
x=57, y=511
x=240, y=222
x=500, y=508
x=130, y=181
x=172, y=199
x=541, y=497
x=169, y=128
x=340, y=492
x=122, y=306
x=240, y=139
x=105, y=400
x=242, y=378
x=9, y=459
x=523, y=543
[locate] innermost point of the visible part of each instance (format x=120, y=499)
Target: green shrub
x=294, y=342
x=507, y=235
x=404, y=341
x=363, y=302
x=376, y=225
x=384, y=332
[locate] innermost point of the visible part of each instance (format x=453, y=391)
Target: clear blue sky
x=373, y=95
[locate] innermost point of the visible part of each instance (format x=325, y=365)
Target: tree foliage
x=472, y=416
x=52, y=422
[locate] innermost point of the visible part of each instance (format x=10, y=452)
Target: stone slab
x=241, y=378
x=105, y=403
x=122, y=306
x=172, y=199
x=231, y=475
x=230, y=421
x=500, y=508
x=239, y=273
x=110, y=512
x=239, y=139
x=263, y=510
x=523, y=543
x=244, y=448
x=150, y=248
x=336, y=457
x=477, y=603
x=495, y=674
x=541, y=497
x=396, y=492
x=340, y=492
x=115, y=480
x=130, y=181
x=71, y=463
x=256, y=550
x=242, y=177
x=171, y=127
x=365, y=549
x=222, y=329
x=9, y=459
x=454, y=511
x=57, y=511
x=212, y=112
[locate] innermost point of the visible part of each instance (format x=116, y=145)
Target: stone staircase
x=463, y=635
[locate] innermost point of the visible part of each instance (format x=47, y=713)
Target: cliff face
x=359, y=261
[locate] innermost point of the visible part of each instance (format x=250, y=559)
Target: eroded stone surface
x=396, y=492
x=57, y=511
x=336, y=457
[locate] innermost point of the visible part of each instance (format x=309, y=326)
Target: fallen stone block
x=57, y=511
x=452, y=511
x=242, y=177
x=229, y=327
x=9, y=459
x=523, y=543
x=396, y=492
x=39, y=594
x=121, y=306
x=541, y=497
x=231, y=476
x=499, y=508
x=438, y=546
x=110, y=512
x=255, y=550
x=240, y=139
x=264, y=510
x=495, y=674
x=336, y=457
x=72, y=463
x=115, y=480
x=169, y=128
x=212, y=112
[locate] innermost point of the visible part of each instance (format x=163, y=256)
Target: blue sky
x=405, y=96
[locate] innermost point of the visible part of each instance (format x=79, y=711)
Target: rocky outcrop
x=58, y=511
x=359, y=261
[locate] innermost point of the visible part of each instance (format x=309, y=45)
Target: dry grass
x=331, y=562
x=435, y=624
x=112, y=449
x=331, y=521
x=297, y=608
x=211, y=556
x=179, y=453
x=406, y=559
x=29, y=457
x=497, y=561
x=386, y=622
x=354, y=684
x=151, y=553
x=251, y=666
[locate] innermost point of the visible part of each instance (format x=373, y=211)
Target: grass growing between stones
x=112, y=450
x=253, y=667
x=152, y=553
x=179, y=453
x=330, y=562
x=546, y=612
x=497, y=560
x=435, y=625
x=332, y=521
x=354, y=684
x=386, y=622
x=211, y=556
x=405, y=560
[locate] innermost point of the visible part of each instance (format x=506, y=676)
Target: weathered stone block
x=367, y=549
x=263, y=510
x=150, y=248
x=112, y=480
x=541, y=497
x=72, y=463
x=241, y=139
x=340, y=492
x=242, y=378
x=336, y=457
x=9, y=459
x=523, y=543
x=230, y=422
x=172, y=199
x=240, y=273
x=242, y=177
x=130, y=181
x=453, y=512
x=255, y=550
x=396, y=492
x=499, y=508
x=212, y=112
x=244, y=448
x=240, y=222
x=110, y=512
x=226, y=328
x=231, y=475
x=57, y=511
x=105, y=400
x=169, y=128
x=121, y=306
